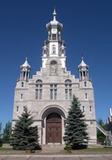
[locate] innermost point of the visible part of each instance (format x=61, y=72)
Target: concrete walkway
x=57, y=157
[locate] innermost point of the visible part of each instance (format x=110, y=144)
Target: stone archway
x=53, y=125
x=53, y=128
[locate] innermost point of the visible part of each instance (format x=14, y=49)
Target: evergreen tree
x=0, y=127
x=1, y=142
x=108, y=126
x=7, y=133
x=100, y=136
x=24, y=135
x=76, y=135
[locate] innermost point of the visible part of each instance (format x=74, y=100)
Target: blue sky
x=87, y=32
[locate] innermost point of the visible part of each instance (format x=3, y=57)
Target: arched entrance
x=53, y=118
x=53, y=128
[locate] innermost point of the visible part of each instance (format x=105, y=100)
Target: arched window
x=53, y=49
x=24, y=108
x=85, y=83
x=22, y=84
x=90, y=108
x=38, y=91
x=86, y=96
x=68, y=89
x=21, y=96
x=53, y=36
x=53, y=91
x=83, y=108
x=53, y=62
x=17, y=108
x=91, y=122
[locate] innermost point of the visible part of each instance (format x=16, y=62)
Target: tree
x=0, y=128
x=24, y=135
x=108, y=125
x=76, y=135
x=100, y=136
x=1, y=142
x=7, y=133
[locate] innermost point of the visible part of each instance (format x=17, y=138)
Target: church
x=48, y=93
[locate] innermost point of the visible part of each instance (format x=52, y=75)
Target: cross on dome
x=54, y=22
x=54, y=15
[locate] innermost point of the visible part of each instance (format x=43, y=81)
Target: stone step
x=52, y=148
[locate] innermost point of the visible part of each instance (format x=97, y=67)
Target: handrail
x=102, y=129
x=106, y=133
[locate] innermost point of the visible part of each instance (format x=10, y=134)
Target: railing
x=106, y=133
x=101, y=129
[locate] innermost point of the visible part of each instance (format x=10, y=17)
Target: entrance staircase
x=106, y=133
x=56, y=148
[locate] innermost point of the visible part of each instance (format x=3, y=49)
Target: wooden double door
x=53, y=128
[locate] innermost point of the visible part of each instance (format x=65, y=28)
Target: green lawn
x=93, y=150
x=83, y=151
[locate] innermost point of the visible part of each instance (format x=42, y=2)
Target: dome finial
x=82, y=64
x=54, y=14
x=26, y=59
x=26, y=64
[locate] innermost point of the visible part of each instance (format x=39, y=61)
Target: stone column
x=44, y=132
x=63, y=129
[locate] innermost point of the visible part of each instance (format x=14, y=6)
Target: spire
x=54, y=15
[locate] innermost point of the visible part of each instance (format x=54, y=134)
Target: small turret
x=83, y=71
x=25, y=71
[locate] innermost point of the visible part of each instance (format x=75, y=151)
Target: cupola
x=83, y=70
x=25, y=70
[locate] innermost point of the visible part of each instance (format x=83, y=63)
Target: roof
x=82, y=64
x=54, y=21
x=26, y=64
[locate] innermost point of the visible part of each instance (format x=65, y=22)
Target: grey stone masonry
x=51, y=89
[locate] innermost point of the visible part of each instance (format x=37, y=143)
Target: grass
x=9, y=151
x=93, y=150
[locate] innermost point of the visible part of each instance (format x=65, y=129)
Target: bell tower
x=54, y=47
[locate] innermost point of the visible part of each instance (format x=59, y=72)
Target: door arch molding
x=52, y=108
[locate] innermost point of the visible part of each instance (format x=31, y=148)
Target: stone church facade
x=48, y=93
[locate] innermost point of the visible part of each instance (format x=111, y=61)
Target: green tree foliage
x=76, y=135
x=108, y=126
x=24, y=134
x=100, y=136
x=0, y=128
x=1, y=142
x=7, y=133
